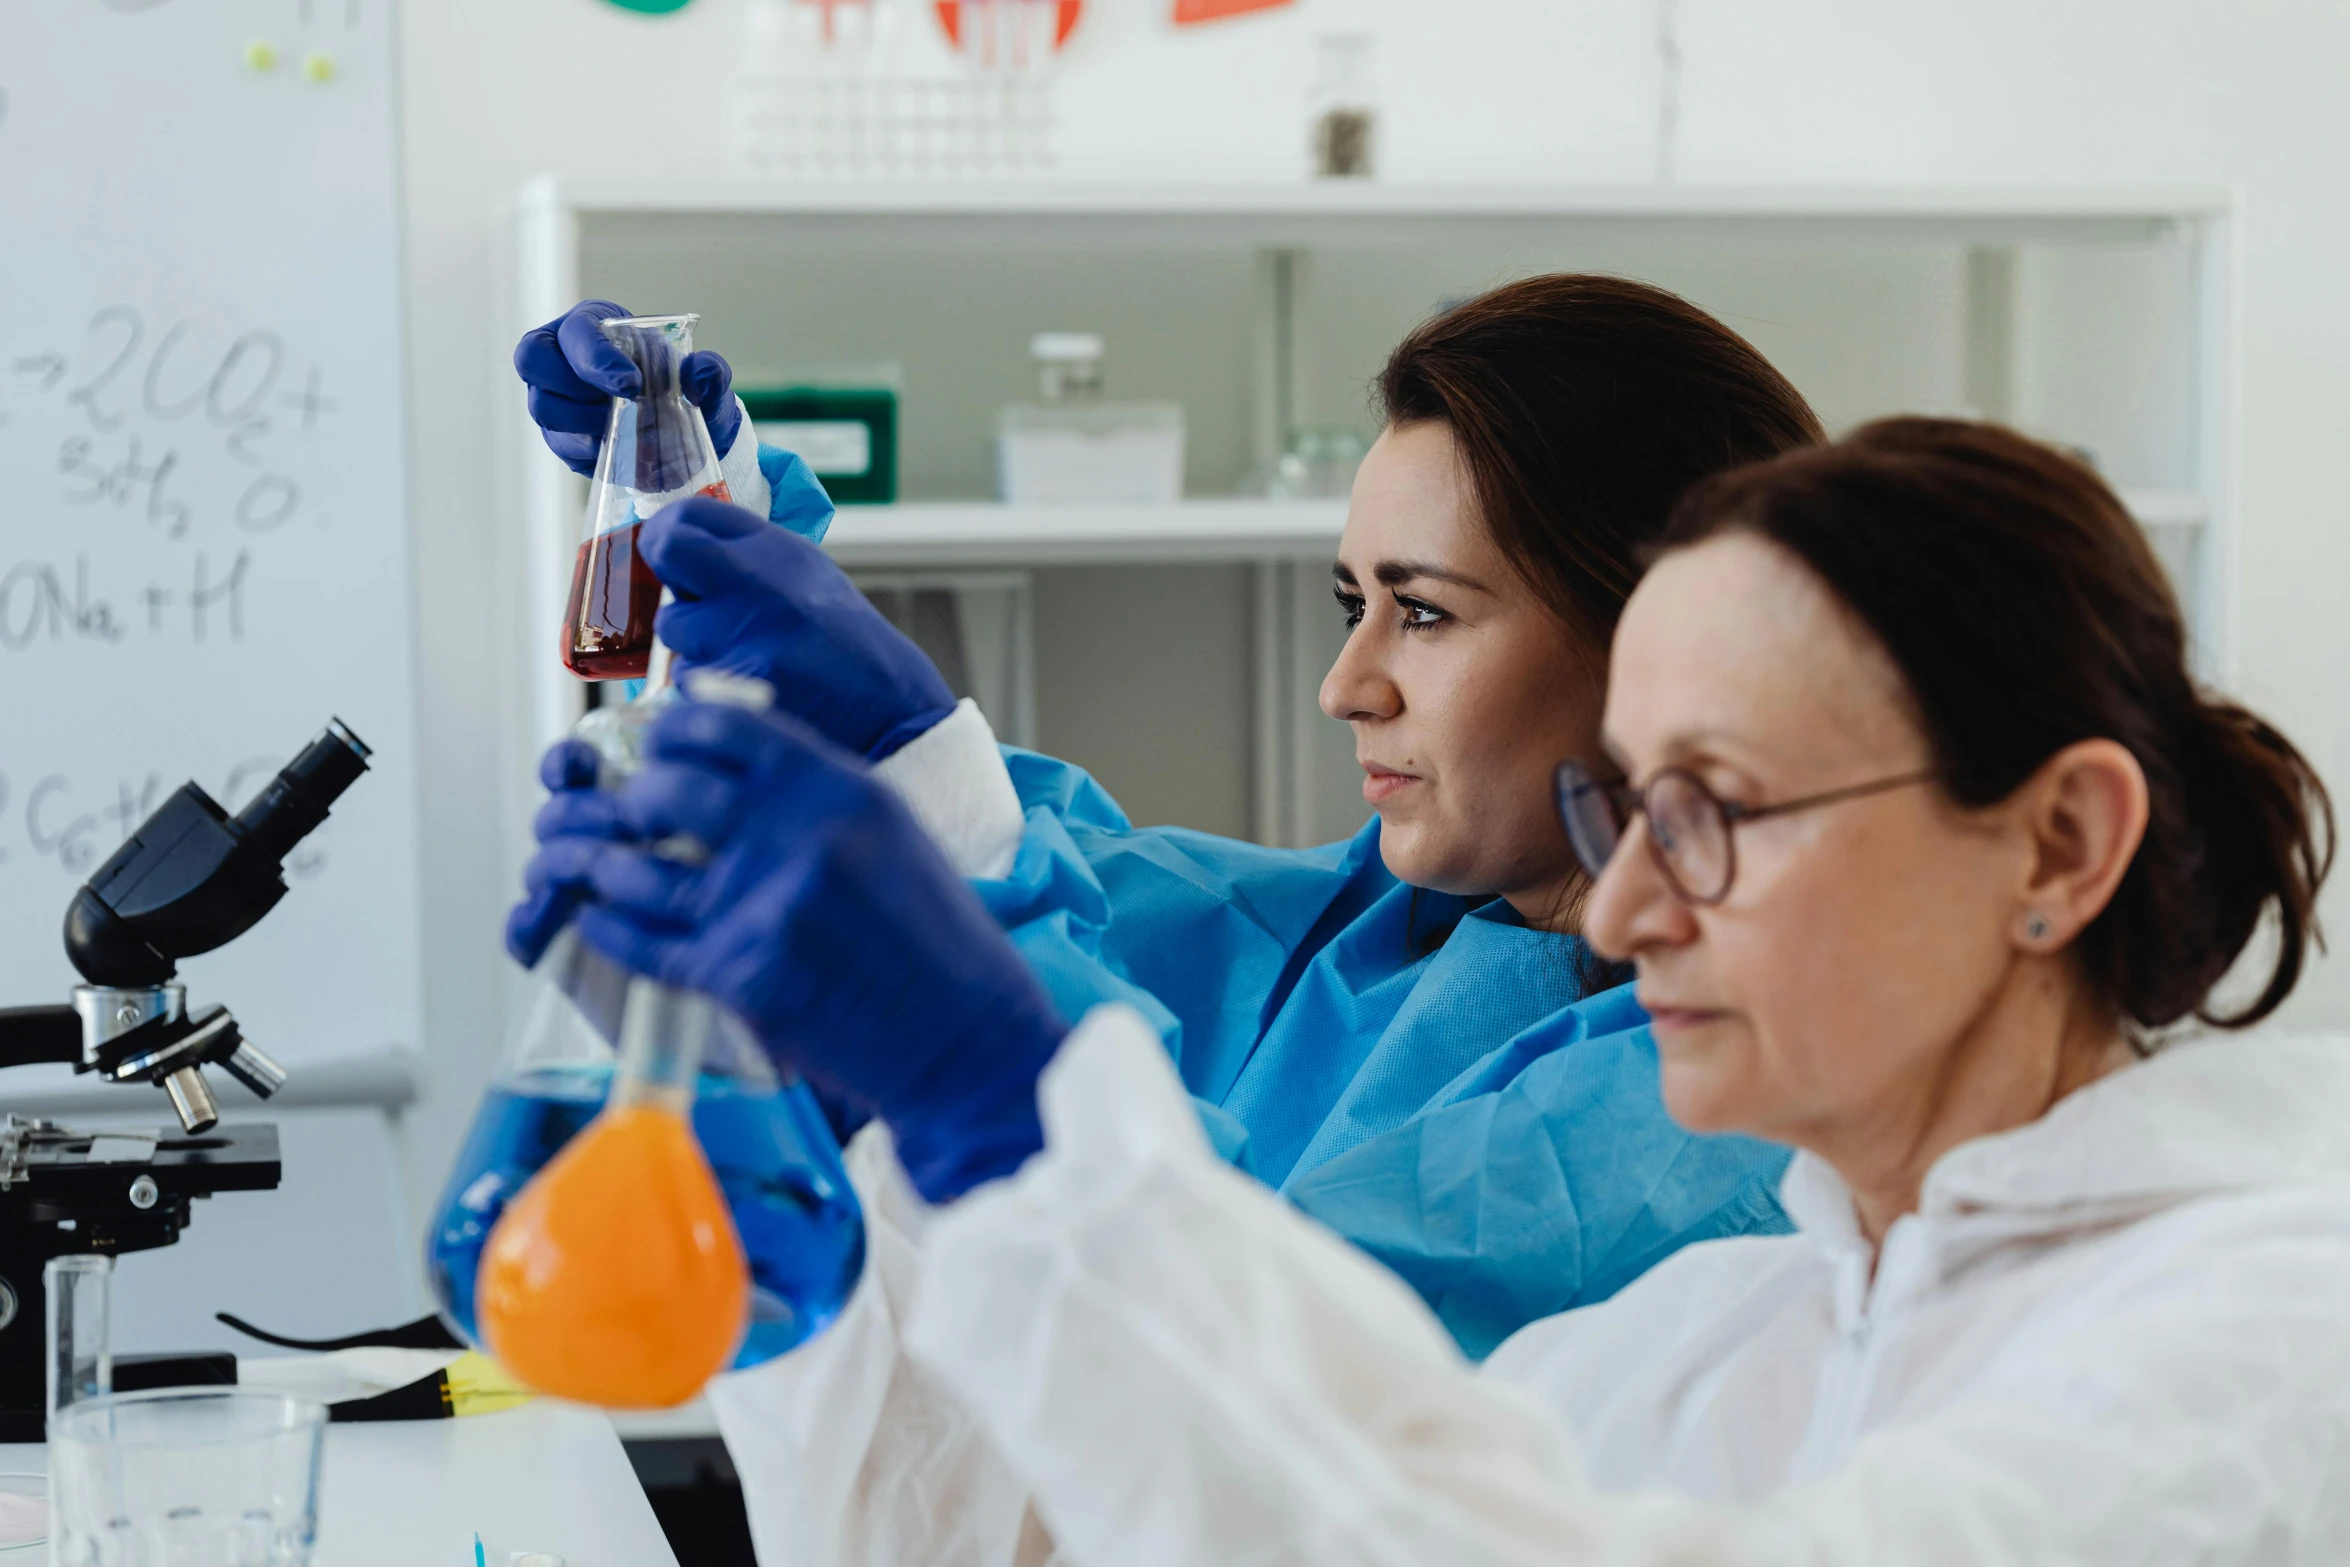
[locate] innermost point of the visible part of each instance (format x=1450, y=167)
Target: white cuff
x=740, y=468
x=954, y=780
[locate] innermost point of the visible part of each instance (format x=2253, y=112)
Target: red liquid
x=608, y=626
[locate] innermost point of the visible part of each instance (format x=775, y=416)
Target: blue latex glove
x=574, y=372
x=755, y=599
x=828, y=922
x=555, y=886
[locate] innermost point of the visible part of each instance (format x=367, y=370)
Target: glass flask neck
x=663, y=1035
x=656, y=447
x=576, y=1025
x=668, y=1039
x=656, y=450
x=569, y=1029
x=656, y=345
x=618, y=732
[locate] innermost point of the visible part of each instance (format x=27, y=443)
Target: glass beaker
x=211, y=1477
x=656, y=450
x=80, y=1326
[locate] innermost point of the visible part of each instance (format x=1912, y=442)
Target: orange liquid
x=616, y=1277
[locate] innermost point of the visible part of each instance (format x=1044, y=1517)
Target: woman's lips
x=1666, y=1019
x=1381, y=785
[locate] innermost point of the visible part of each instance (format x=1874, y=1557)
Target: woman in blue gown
x=1401, y=1033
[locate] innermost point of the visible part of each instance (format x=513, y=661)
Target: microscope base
x=105, y=1193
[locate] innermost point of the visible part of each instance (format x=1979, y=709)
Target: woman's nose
x=1359, y=685
x=1633, y=909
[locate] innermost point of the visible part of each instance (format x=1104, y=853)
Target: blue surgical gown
x=1473, y=1102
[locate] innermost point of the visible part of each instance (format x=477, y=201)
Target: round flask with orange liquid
x=616, y=1277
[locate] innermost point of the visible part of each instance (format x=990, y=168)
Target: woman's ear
x=2084, y=813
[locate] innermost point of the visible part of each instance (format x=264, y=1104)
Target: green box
x=848, y=435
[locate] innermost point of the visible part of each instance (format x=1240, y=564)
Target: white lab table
x=542, y=1477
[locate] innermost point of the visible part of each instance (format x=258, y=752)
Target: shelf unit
x=931, y=535
x=2100, y=318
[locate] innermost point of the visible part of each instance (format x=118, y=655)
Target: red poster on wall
x=1189, y=11
x=950, y=19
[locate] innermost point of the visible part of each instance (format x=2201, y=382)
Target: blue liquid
x=774, y=1157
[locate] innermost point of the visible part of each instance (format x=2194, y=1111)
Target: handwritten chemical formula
x=76, y=823
x=170, y=432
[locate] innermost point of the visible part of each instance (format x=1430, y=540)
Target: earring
x=2035, y=927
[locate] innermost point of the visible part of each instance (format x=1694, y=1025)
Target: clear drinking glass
x=185, y=1477
x=80, y=1328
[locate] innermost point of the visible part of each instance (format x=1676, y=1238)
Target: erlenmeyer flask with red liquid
x=656, y=450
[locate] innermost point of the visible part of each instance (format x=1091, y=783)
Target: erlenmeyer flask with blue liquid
x=766, y=1139
x=767, y=1142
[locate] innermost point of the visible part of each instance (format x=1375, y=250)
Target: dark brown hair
x=2026, y=613
x=1583, y=407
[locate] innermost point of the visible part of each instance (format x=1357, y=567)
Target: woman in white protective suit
x=1923, y=830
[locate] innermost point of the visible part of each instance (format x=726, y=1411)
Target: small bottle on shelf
x=1346, y=118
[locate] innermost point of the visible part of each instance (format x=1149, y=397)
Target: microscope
x=191, y=879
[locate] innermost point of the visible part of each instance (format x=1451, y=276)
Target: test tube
x=81, y=1347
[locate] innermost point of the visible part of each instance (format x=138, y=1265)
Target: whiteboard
x=204, y=550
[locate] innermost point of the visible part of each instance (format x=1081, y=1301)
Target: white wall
x=2247, y=93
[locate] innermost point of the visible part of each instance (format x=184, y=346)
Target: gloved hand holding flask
x=757, y=600
x=574, y=370
x=749, y=602
x=826, y=920
x=617, y=1276
x=763, y=1138
x=571, y=376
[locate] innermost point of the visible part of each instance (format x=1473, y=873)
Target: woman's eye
x=1351, y=606
x=1418, y=616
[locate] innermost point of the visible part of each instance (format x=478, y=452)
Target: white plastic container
x=1073, y=448
x=1123, y=453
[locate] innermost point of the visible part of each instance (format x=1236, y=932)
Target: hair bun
x=2268, y=831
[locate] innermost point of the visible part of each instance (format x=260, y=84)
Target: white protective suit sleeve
x=852, y=1456
x=1187, y=1373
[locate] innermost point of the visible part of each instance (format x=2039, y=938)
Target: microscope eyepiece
x=293, y=803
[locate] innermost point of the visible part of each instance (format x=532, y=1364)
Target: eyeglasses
x=1689, y=826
